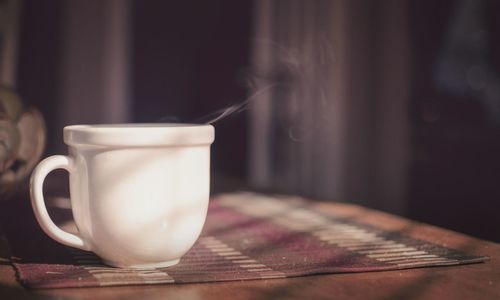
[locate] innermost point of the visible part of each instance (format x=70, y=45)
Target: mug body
x=140, y=194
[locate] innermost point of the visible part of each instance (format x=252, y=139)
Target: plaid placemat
x=246, y=236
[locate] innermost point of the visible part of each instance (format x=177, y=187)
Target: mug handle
x=38, y=202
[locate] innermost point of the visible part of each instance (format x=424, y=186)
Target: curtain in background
x=95, y=62
x=331, y=82
x=9, y=31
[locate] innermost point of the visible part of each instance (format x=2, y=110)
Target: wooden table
x=476, y=281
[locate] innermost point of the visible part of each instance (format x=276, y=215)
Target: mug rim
x=139, y=134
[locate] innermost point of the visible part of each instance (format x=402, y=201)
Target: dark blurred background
x=393, y=104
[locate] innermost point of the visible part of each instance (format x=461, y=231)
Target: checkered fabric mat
x=246, y=236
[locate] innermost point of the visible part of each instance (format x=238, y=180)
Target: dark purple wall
x=188, y=58
x=455, y=167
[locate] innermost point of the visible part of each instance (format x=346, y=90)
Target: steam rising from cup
x=233, y=109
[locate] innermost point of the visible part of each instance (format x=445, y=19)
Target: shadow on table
x=7, y=292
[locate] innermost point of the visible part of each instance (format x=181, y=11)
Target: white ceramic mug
x=139, y=192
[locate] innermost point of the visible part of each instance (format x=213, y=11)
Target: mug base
x=143, y=266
